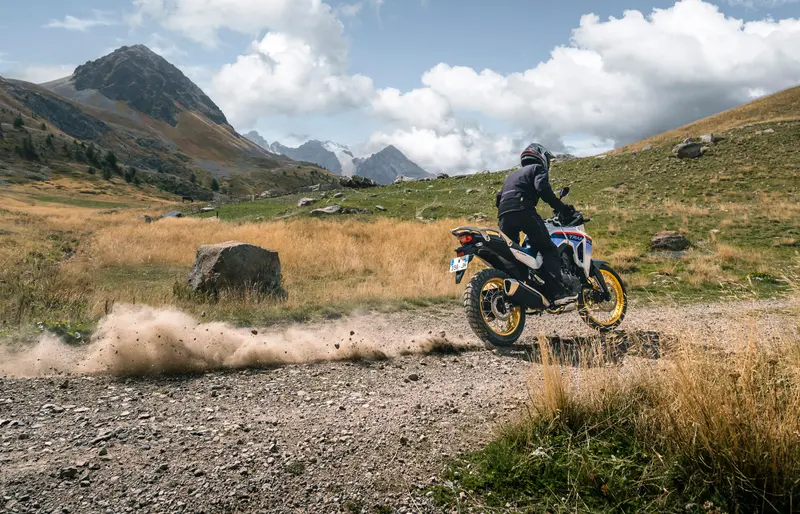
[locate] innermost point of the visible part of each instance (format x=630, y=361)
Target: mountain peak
x=147, y=82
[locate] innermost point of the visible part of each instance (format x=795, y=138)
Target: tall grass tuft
x=715, y=424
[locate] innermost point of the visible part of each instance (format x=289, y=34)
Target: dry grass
x=722, y=411
x=625, y=260
x=672, y=207
x=322, y=261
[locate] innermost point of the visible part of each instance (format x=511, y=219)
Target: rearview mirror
x=564, y=192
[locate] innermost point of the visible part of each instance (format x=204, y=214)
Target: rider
x=516, y=211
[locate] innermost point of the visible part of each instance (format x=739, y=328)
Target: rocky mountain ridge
x=383, y=167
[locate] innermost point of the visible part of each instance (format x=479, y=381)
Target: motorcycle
x=498, y=299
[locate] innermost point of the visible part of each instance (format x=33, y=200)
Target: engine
x=569, y=274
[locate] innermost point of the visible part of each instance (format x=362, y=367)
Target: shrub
x=91, y=170
x=111, y=161
x=27, y=151
x=214, y=185
x=18, y=123
x=130, y=174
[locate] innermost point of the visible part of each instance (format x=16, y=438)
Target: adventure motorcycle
x=498, y=299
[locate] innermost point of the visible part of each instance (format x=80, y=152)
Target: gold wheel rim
x=616, y=305
x=497, y=318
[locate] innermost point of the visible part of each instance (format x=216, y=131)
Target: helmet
x=536, y=154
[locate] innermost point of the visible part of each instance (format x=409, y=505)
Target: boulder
x=688, y=150
x=331, y=209
x=646, y=148
x=669, y=240
x=338, y=195
x=357, y=182
x=710, y=138
x=235, y=266
x=442, y=176
x=305, y=202
x=380, y=208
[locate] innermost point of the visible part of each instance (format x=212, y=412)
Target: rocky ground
x=322, y=437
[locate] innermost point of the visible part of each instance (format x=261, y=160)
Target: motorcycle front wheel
x=604, y=315
x=493, y=319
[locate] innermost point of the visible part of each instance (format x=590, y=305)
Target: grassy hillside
x=781, y=106
x=59, y=135
x=737, y=204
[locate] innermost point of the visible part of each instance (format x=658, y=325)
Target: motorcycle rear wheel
x=491, y=317
x=592, y=312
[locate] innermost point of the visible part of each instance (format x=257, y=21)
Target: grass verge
x=712, y=427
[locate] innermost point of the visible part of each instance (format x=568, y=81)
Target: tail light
x=465, y=238
x=459, y=254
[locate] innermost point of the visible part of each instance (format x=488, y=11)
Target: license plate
x=459, y=263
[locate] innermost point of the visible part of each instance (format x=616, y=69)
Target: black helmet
x=536, y=154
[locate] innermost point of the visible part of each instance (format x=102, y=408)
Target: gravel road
x=341, y=436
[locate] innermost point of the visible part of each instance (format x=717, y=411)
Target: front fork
x=603, y=295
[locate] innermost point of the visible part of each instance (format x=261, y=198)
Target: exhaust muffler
x=524, y=296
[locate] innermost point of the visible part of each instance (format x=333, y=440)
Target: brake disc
x=502, y=316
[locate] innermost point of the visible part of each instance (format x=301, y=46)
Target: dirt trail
x=334, y=436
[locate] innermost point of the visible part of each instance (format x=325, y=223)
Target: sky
x=457, y=85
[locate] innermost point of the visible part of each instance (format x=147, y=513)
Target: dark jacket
x=523, y=188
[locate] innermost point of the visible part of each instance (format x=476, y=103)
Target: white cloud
x=627, y=78
x=286, y=75
x=465, y=149
x=311, y=21
x=757, y=4
x=99, y=18
x=419, y=108
x=616, y=81
x=165, y=47
x=349, y=10
x=42, y=73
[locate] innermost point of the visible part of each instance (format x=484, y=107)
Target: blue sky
x=409, y=72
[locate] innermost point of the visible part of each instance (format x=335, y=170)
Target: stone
x=236, y=266
x=710, y=138
x=68, y=473
x=380, y=208
x=442, y=176
x=413, y=377
x=688, y=150
x=669, y=240
x=331, y=209
x=338, y=195
x=647, y=148
x=305, y=202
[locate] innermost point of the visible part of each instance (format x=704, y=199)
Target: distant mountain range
x=135, y=104
x=383, y=167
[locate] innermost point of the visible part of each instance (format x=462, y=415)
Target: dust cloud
x=142, y=340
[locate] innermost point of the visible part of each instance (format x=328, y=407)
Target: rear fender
x=492, y=258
